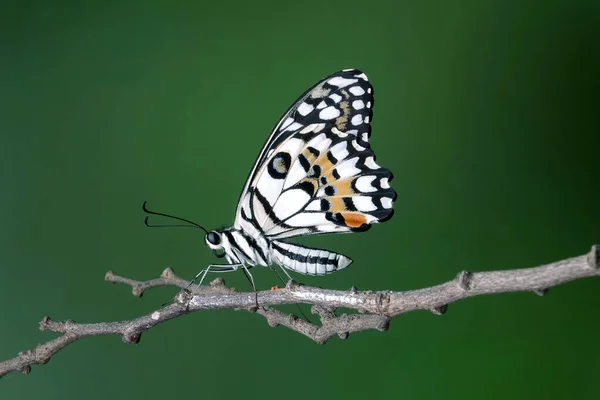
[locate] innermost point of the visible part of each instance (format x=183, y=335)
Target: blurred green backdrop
x=486, y=112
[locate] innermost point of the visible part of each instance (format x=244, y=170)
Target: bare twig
x=375, y=308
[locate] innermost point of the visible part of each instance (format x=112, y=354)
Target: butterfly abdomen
x=307, y=261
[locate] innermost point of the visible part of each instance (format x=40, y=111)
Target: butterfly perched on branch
x=316, y=174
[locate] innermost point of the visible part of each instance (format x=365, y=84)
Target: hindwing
x=317, y=173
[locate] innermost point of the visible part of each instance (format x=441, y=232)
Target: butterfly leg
x=216, y=268
x=272, y=267
x=249, y=276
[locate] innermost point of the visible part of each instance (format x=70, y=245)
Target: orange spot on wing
x=343, y=188
x=336, y=204
x=354, y=220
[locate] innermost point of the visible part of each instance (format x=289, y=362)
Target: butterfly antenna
x=297, y=305
x=192, y=224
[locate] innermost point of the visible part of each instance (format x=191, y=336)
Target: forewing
x=317, y=173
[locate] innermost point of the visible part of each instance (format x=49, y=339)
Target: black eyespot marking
x=337, y=218
x=329, y=190
x=335, y=174
x=323, y=180
x=349, y=204
x=313, y=151
x=279, y=165
x=315, y=171
x=331, y=158
x=213, y=238
x=308, y=186
x=304, y=162
x=325, y=205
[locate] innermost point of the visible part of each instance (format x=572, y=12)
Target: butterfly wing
x=317, y=173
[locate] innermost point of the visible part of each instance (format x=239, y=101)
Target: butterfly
x=316, y=174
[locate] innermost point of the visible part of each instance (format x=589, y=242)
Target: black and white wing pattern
x=317, y=173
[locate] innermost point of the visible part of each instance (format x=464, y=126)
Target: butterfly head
x=214, y=241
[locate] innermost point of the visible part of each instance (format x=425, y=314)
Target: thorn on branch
x=441, y=310
x=464, y=280
x=540, y=292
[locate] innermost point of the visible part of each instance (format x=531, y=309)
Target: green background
x=486, y=112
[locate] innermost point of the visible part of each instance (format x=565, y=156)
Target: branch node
x=353, y=289
x=323, y=312
x=291, y=285
x=109, y=276
x=441, y=310
x=45, y=323
x=593, y=257
x=464, y=280
x=168, y=273
x=218, y=283
x=383, y=325
x=292, y=318
x=343, y=335
x=132, y=337
x=25, y=370
x=137, y=291
x=183, y=297
x=540, y=292
x=382, y=300
x=270, y=320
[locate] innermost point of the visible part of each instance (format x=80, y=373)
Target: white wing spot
x=369, y=162
x=308, y=128
x=357, y=90
x=357, y=120
x=369, y=90
x=386, y=202
x=357, y=146
x=367, y=119
x=365, y=136
x=341, y=82
x=368, y=104
x=329, y=113
x=364, y=184
x=383, y=182
x=305, y=108
x=293, y=127
x=321, y=105
x=362, y=76
x=335, y=97
x=358, y=104
x=364, y=203
x=338, y=132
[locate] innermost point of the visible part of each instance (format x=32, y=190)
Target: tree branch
x=375, y=309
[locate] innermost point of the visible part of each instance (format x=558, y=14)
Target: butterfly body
x=316, y=174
